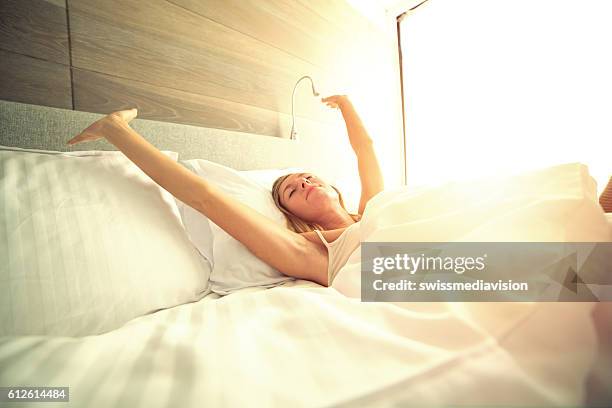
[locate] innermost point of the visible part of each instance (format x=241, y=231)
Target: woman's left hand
x=335, y=101
x=97, y=129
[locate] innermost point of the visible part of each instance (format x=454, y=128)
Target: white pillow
x=197, y=225
x=88, y=242
x=234, y=265
x=198, y=230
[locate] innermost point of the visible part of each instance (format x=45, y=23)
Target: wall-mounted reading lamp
x=314, y=92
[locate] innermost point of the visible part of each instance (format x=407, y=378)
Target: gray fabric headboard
x=41, y=127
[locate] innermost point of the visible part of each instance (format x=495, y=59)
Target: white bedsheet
x=301, y=344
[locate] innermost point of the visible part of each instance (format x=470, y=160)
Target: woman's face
x=306, y=196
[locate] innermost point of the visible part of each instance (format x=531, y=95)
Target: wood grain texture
x=58, y=3
x=35, y=28
x=102, y=93
x=328, y=34
x=169, y=46
x=226, y=64
x=284, y=24
x=31, y=80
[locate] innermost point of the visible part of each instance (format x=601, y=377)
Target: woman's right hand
x=99, y=128
x=335, y=101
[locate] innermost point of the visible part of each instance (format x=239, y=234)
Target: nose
x=305, y=182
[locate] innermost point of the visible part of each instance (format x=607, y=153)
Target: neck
x=338, y=218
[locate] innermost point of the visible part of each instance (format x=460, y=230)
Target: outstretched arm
x=369, y=169
x=279, y=247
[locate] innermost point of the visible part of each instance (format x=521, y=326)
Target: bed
x=136, y=321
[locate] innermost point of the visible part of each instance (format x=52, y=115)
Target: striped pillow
x=88, y=242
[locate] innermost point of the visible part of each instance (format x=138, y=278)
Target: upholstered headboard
x=41, y=127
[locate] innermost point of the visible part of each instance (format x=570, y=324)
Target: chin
x=322, y=203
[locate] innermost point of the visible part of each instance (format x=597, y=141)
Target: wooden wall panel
x=108, y=93
x=328, y=34
x=284, y=24
x=167, y=45
x=36, y=28
x=228, y=64
x=31, y=80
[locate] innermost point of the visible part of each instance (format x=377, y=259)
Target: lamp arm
x=292, y=135
x=314, y=92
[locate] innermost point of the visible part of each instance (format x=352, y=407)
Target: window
x=506, y=85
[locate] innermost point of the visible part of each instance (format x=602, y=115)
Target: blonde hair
x=294, y=222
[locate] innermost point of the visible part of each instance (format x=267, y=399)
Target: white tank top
x=341, y=249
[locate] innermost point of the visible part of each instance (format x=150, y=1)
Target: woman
x=308, y=202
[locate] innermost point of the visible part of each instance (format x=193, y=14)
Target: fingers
x=95, y=130
x=82, y=137
x=333, y=101
x=332, y=98
x=329, y=102
x=126, y=114
x=129, y=114
x=75, y=140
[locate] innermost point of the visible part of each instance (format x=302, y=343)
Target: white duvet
x=301, y=344
x=553, y=204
